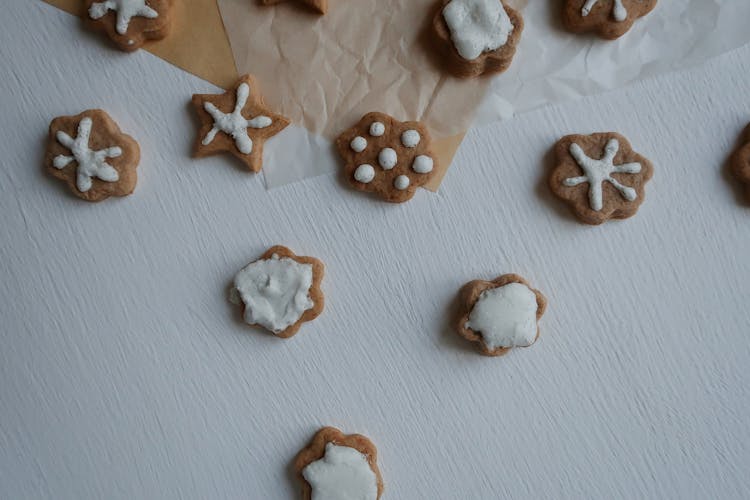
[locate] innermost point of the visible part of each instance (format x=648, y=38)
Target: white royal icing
x=618, y=10
x=410, y=138
x=358, y=144
x=401, y=182
x=387, y=158
x=234, y=124
x=364, y=173
x=90, y=163
x=596, y=172
x=377, y=129
x=505, y=316
x=126, y=9
x=342, y=474
x=422, y=164
x=477, y=26
x=275, y=292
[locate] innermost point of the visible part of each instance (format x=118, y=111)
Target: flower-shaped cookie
x=237, y=122
x=609, y=19
x=385, y=156
x=90, y=153
x=600, y=176
x=339, y=466
x=319, y=6
x=280, y=291
x=130, y=23
x=741, y=162
x=476, y=37
x=500, y=314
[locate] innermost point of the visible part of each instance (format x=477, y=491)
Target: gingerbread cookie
x=319, y=6
x=279, y=291
x=599, y=176
x=609, y=19
x=500, y=314
x=385, y=156
x=237, y=122
x=130, y=23
x=741, y=162
x=476, y=37
x=91, y=154
x=336, y=466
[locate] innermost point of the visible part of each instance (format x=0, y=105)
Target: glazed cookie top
x=608, y=18
x=92, y=155
x=599, y=176
x=500, y=314
x=130, y=23
x=387, y=157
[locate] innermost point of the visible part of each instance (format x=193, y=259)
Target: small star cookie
x=90, y=153
x=387, y=157
x=609, y=19
x=236, y=122
x=741, y=162
x=320, y=6
x=600, y=176
x=501, y=314
x=130, y=23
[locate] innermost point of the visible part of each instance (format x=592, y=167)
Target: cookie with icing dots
x=501, y=314
x=337, y=466
x=476, y=37
x=387, y=157
x=600, y=176
x=90, y=153
x=740, y=162
x=609, y=19
x=279, y=291
x=237, y=122
x=130, y=23
x=319, y=6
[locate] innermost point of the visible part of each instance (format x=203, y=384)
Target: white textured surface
x=125, y=373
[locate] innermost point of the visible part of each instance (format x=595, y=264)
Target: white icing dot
x=387, y=158
x=422, y=164
x=358, y=144
x=401, y=182
x=377, y=129
x=364, y=173
x=410, y=138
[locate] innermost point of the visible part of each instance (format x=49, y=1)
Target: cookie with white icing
x=609, y=19
x=740, y=162
x=90, y=153
x=237, y=122
x=387, y=157
x=501, y=314
x=130, y=23
x=337, y=466
x=319, y=6
x=476, y=37
x=600, y=176
x=279, y=291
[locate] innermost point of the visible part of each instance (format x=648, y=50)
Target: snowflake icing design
x=618, y=9
x=234, y=124
x=596, y=172
x=90, y=163
x=126, y=10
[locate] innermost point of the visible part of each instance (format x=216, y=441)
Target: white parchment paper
x=551, y=66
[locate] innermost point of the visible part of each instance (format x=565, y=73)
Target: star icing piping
x=618, y=9
x=597, y=172
x=234, y=123
x=90, y=163
x=125, y=9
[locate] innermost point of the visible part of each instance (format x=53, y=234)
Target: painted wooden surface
x=125, y=372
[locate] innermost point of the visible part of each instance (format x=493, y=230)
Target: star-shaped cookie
x=320, y=6
x=237, y=122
